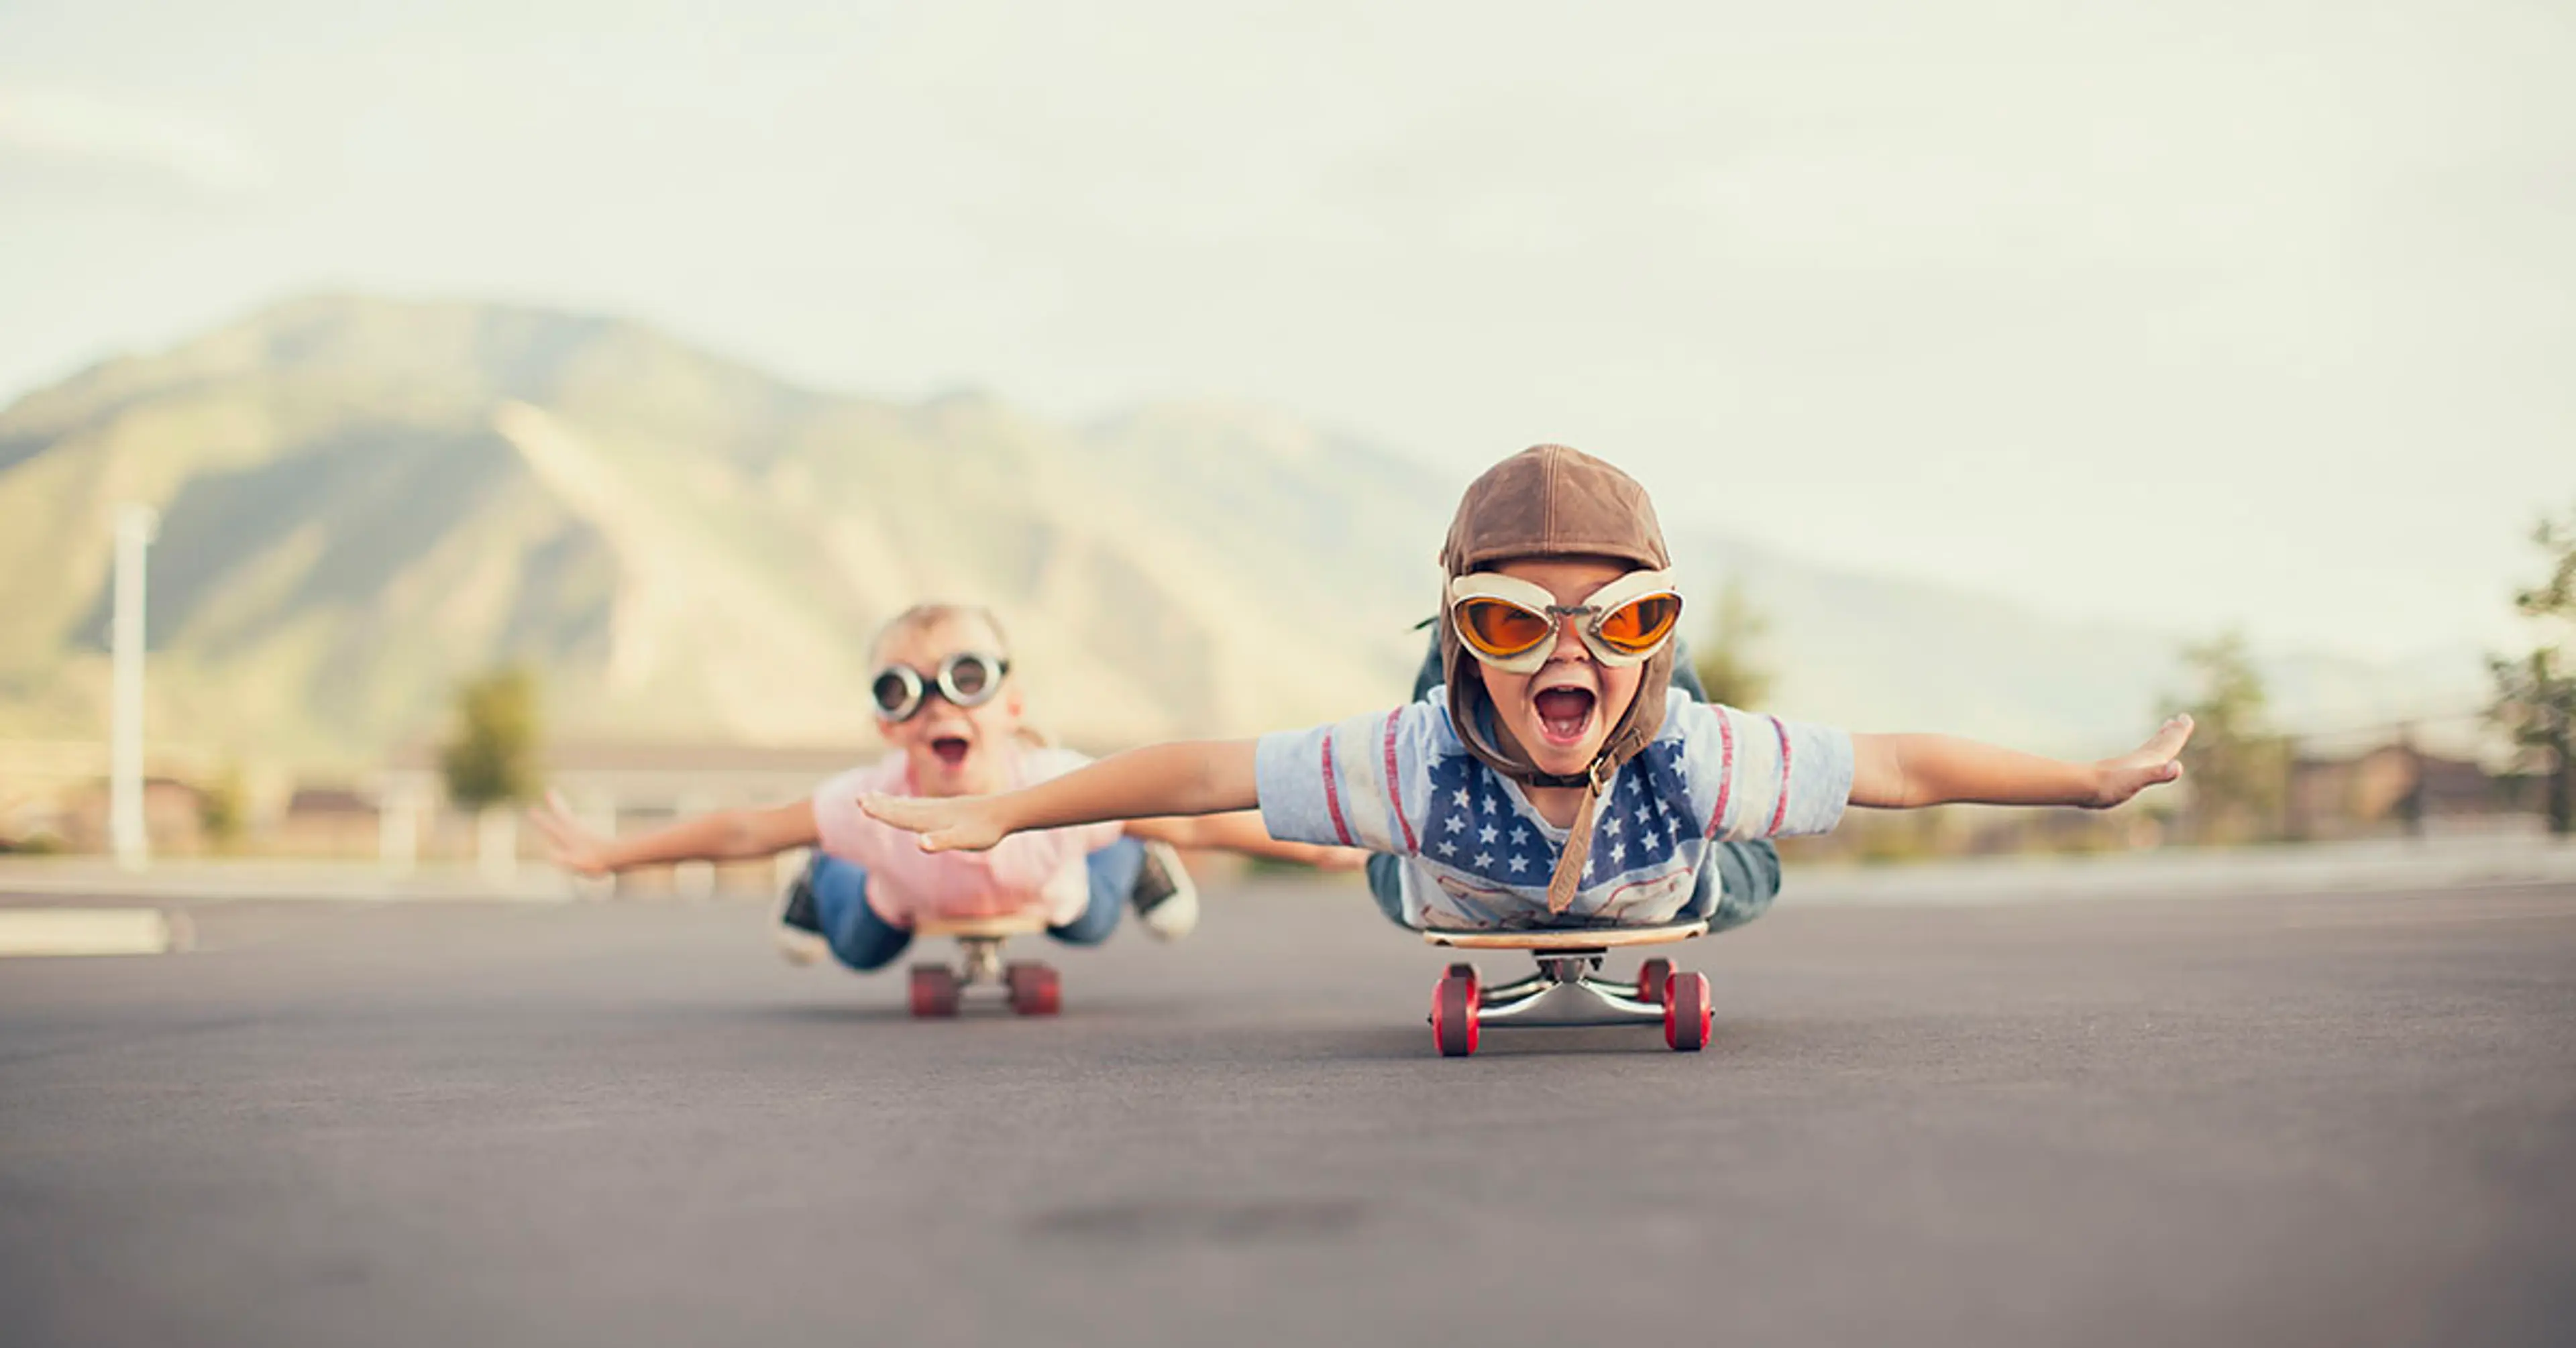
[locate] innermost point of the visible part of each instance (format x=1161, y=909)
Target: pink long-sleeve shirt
x=1037, y=872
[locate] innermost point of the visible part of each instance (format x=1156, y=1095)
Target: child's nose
x=1569, y=643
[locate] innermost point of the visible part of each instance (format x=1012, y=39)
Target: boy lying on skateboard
x=1540, y=788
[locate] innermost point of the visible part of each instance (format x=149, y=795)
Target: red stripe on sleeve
x=1725, y=769
x=1394, y=792
x=1333, y=792
x=1781, y=810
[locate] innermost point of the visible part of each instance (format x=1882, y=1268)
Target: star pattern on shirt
x=1475, y=828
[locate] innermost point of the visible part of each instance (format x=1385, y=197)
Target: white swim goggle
x=966, y=679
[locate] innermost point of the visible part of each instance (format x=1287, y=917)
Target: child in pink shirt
x=946, y=703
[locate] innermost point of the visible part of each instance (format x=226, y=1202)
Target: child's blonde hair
x=930, y=614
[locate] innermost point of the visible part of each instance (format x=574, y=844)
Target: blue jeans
x=1747, y=873
x=863, y=940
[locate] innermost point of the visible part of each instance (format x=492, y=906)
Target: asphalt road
x=2341, y=1121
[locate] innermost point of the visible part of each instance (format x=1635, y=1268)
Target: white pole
x=134, y=526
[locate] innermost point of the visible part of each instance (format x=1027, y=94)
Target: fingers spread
x=943, y=825
x=2169, y=738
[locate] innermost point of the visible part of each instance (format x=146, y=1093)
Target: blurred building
x=2398, y=788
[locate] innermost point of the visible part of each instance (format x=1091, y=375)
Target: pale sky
x=2187, y=313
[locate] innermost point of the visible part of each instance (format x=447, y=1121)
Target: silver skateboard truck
x=938, y=990
x=1566, y=991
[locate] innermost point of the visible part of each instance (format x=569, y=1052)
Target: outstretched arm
x=725, y=835
x=1244, y=833
x=1190, y=777
x=1905, y=771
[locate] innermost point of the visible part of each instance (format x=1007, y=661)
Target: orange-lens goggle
x=1511, y=623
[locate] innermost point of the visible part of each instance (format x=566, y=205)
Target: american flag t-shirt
x=1479, y=856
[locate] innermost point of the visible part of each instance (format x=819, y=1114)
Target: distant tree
x=2235, y=769
x=2535, y=702
x=223, y=807
x=1726, y=663
x=492, y=757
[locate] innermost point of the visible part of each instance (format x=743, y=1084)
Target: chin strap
x=1578, y=839
x=1551, y=778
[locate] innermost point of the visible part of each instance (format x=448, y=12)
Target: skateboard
x=1032, y=988
x=1566, y=990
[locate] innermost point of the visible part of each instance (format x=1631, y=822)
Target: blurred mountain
x=1876, y=652
x=364, y=500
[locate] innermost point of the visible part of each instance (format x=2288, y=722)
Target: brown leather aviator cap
x=1552, y=501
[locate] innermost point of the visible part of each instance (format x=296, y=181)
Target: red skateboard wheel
x=1686, y=1012
x=934, y=990
x=1035, y=989
x=1453, y=1016
x=1651, y=978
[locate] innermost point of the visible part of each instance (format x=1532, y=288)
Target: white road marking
x=90, y=931
x=2426, y=919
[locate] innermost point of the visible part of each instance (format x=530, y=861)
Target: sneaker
x=799, y=931
x=1166, y=902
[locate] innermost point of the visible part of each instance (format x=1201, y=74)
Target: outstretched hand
x=2150, y=764
x=568, y=844
x=945, y=823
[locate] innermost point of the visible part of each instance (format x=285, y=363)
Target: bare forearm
x=725, y=835
x=1187, y=778
x=705, y=838
x=1201, y=777
x=1242, y=833
x=1909, y=771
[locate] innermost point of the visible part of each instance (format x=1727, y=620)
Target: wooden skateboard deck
x=1564, y=938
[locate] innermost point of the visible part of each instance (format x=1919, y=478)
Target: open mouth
x=1564, y=714
x=951, y=750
